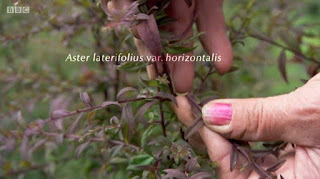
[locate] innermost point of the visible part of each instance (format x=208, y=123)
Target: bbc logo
x=18, y=9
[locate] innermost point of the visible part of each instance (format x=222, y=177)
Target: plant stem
x=203, y=80
x=190, y=98
x=167, y=72
x=272, y=42
x=131, y=100
x=21, y=171
x=163, y=126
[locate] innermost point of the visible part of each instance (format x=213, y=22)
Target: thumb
x=291, y=117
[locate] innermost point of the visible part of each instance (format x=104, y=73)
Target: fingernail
x=217, y=113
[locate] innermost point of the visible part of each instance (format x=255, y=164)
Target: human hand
x=210, y=20
x=293, y=117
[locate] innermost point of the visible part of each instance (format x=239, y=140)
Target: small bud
x=59, y=114
x=85, y=98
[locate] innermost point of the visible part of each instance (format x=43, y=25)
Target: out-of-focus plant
x=132, y=132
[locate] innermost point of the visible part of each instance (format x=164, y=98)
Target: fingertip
x=183, y=110
x=226, y=62
x=215, y=40
x=183, y=75
x=217, y=116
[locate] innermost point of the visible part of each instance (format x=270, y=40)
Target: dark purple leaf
x=127, y=116
x=75, y=124
x=149, y=33
x=192, y=100
x=313, y=69
x=196, y=125
x=246, y=153
x=201, y=175
x=164, y=95
x=59, y=124
x=85, y=98
x=9, y=144
x=59, y=114
x=261, y=153
x=34, y=128
x=174, y=173
x=122, y=92
x=276, y=166
x=191, y=164
x=282, y=60
x=81, y=148
x=142, y=16
x=233, y=157
x=24, y=149
x=59, y=138
x=143, y=109
x=108, y=103
x=21, y=122
x=37, y=145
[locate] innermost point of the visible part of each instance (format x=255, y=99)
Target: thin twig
x=167, y=72
x=272, y=42
x=117, y=142
x=203, y=80
x=190, y=98
x=93, y=139
x=91, y=108
x=25, y=170
x=163, y=126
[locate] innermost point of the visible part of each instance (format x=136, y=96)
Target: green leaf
x=233, y=69
x=142, y=81
x=118, y=160
x=153, y=83
x=25, y=164
x=163, y=79
x=7, y=166
x=250, y=4
x=178, y=50
x=140, y=160
x=132, y=66
x=144, y=139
